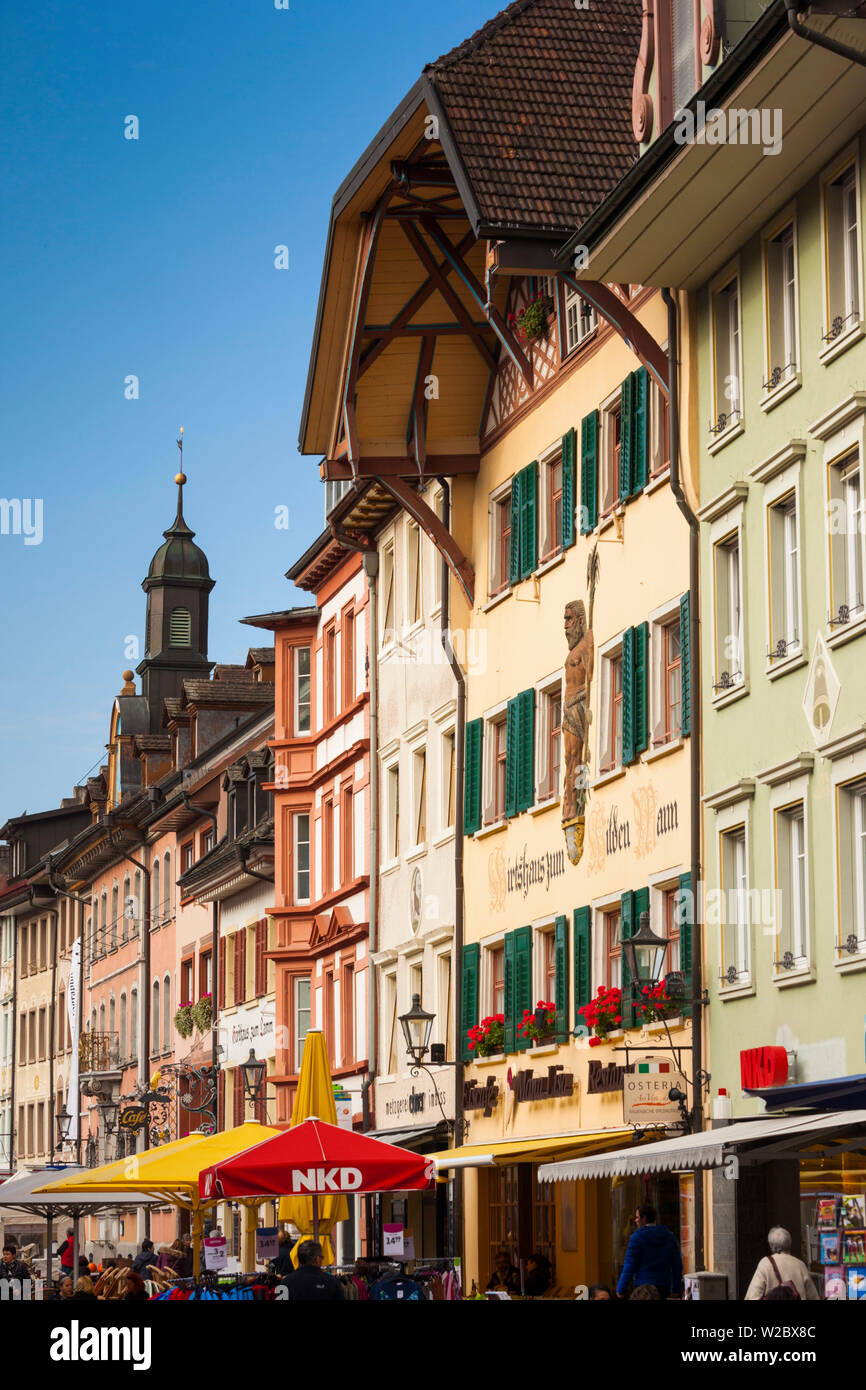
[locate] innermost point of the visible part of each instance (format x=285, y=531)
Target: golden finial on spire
x=180, y=478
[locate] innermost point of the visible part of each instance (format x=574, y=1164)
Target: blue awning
x=837, y=1093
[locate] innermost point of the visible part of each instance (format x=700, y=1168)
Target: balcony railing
x=99, y=1052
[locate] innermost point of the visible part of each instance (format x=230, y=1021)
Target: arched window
x=90, y=946
x=124, y=918
x=122, y=1038
x=103, y=929
x=154, y=894
x=102, y=1018
x=137, y=906
x=166, y=1014
x=133, y=1023
x=112, y=1015
x=166, y=886
x=114, y=914
x=180, y=628
x=154, y=1020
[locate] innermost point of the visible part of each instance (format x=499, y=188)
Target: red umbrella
x=316, y=1159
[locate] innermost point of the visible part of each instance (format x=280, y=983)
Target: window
x=388, y=595
x=166, y=886
x=302, y=1016
x=784, y=577
x=611, y=450
x=59, y=1026
x=851, y=816
x=671, y=927
x=187, y=856
x=684, y=76
x=335, y=490
x=726, y=356
x=413, y=574
x=303, y=703
x=551, y=495
x=580, y=319
x=347, y=835
x=347, y=1020
x=611, y=703
x=846, y=540
x=155, y=1019
x=208, y=840
x=660, y=440
x=348, y=656
x=792, y=940
x=329, y=643
x=115, y=913
x=497, y=742
x=154, y=893
x=736, y=963
x=392, y=1027
x=180, y=628
x=125, y=907
x=392, y=804
x=672, y=683
x=842, y=287
x=186, y=985
x=612, y=922
x=500, y=540
x=123, y=1036
x=496, y=997
x=728, y=615
x=42, y=1033
x=302, y=857
x=449, y=772
x=419, y=794
x=547, y=983
x=327, y=846
x=205, y=974
x=780, y=290
x=438, y=505
x=133, y=1023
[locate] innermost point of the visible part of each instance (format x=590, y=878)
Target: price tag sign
x=215, y=1252
x=392, y=1241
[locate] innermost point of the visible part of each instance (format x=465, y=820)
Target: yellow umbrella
x=314, y=1099
x=170, y=1171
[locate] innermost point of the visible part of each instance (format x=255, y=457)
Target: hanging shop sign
x=484, y=1097
x=602, y=1080
x=133, y=1118
x=525, y=1085
x=763, y=1066
x=419, y=1102
x=646, y=1094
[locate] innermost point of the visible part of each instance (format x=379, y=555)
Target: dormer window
x=180, y=628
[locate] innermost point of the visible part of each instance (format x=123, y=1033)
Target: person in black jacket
x=282, y=1261
x=12, y=1267
x=144, y=1258
x=310, y=1282
x=84, y=1290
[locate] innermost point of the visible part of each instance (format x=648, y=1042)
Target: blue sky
x=155, y=258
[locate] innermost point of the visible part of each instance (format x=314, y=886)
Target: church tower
x=176, y=633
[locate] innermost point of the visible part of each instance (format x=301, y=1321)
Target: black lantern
x=254, y=1073
x=63, y=1120
x=417, y=1025
x=645, y=953
x=109, y=1113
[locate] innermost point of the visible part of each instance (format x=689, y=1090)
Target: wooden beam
x=362, y=296
x=630, y=329
x=413, y=330
x=436, y=532
x=449, y=294
x=417, y=430
x=409, y=310
x=400, y=466
x=500, y=327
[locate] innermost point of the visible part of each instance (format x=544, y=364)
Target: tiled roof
x=242, y=693
x=539, y=103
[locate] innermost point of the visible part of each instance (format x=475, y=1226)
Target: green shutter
x=512, y=755
x=472, y=777
x=522, y=979
x=582, y=962
x=626, y=450
x=685, y=918
x=528, y=521
x=525, y=775
x=560, y=949
x=641, y=710
x=509, y=980
x=640, y=402
x=685, y=666
x=628, y=729
x=568, y=450
x=589, y=472
x=469, y=996
x=627, y=929
x=514, y=550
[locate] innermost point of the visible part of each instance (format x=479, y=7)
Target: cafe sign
x=525, y=1085
x=601, y=1079
x=646, y=1094
x=484, y=1097
x=133, y=1118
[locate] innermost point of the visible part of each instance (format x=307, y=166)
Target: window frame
x=610, y=417
x=549, y=529
x=790, y=379
x=792, y=806
x=735, y=417
x=847, y=160
x=297, y=703
x=584, y=321
x=297, y=1010
x=610, y=656
x=498, y=551
x=493, y=759
x=737, y=675
x=547, y=691
x=297, y=898
x=734, y=825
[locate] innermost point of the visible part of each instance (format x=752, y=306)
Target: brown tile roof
x=539, y=103
x=242, y=693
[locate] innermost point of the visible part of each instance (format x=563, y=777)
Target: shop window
x=544, y=1218
x=736, y=953
x=728, y=613
x=842, y=283
x=727, y=396
x=846, y=535
x=784, y=577
x=780, y=297
x=302, y=690
x=503, y=1195
x=792, y=948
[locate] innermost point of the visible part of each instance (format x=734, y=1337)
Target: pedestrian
x=780, y=1267
x=599, y=1293
x=135, y=1289
x=170, y=1257
x=538, y=1277
x=186, y=1258
x=282, y=1264
x=11, y=1267
x=84, y=1290
x=64, y=1291
x=144, y=1258
x=644, y=1291
x=652, y=1257
x=65, y=1251
x=505, y=1276
x=310, y=1282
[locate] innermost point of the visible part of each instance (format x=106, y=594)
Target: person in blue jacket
x=652, y=1257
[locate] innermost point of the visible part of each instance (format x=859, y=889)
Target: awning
x=837, y=1093
x=528, y=1150
x=407, y=1138
x=709, y=1149
x=24, y=1193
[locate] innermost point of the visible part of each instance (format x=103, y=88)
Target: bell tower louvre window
x=180, y=628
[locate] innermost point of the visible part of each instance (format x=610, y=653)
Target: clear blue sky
x=155, y=257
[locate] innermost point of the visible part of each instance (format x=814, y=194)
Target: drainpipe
x=694, y=754
x=14, y=1059
x=457, y=955
x=842, y=50
x=371, y=570
x=214, y=971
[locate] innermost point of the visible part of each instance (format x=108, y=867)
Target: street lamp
x=644, y=953
x=109, y=1111
x=253, y=1073
x=63, y=1120
x=417, y=1025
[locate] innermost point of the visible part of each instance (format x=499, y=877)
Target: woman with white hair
x=780, y=1267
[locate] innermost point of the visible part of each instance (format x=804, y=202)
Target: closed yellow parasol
x=314, y=1099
